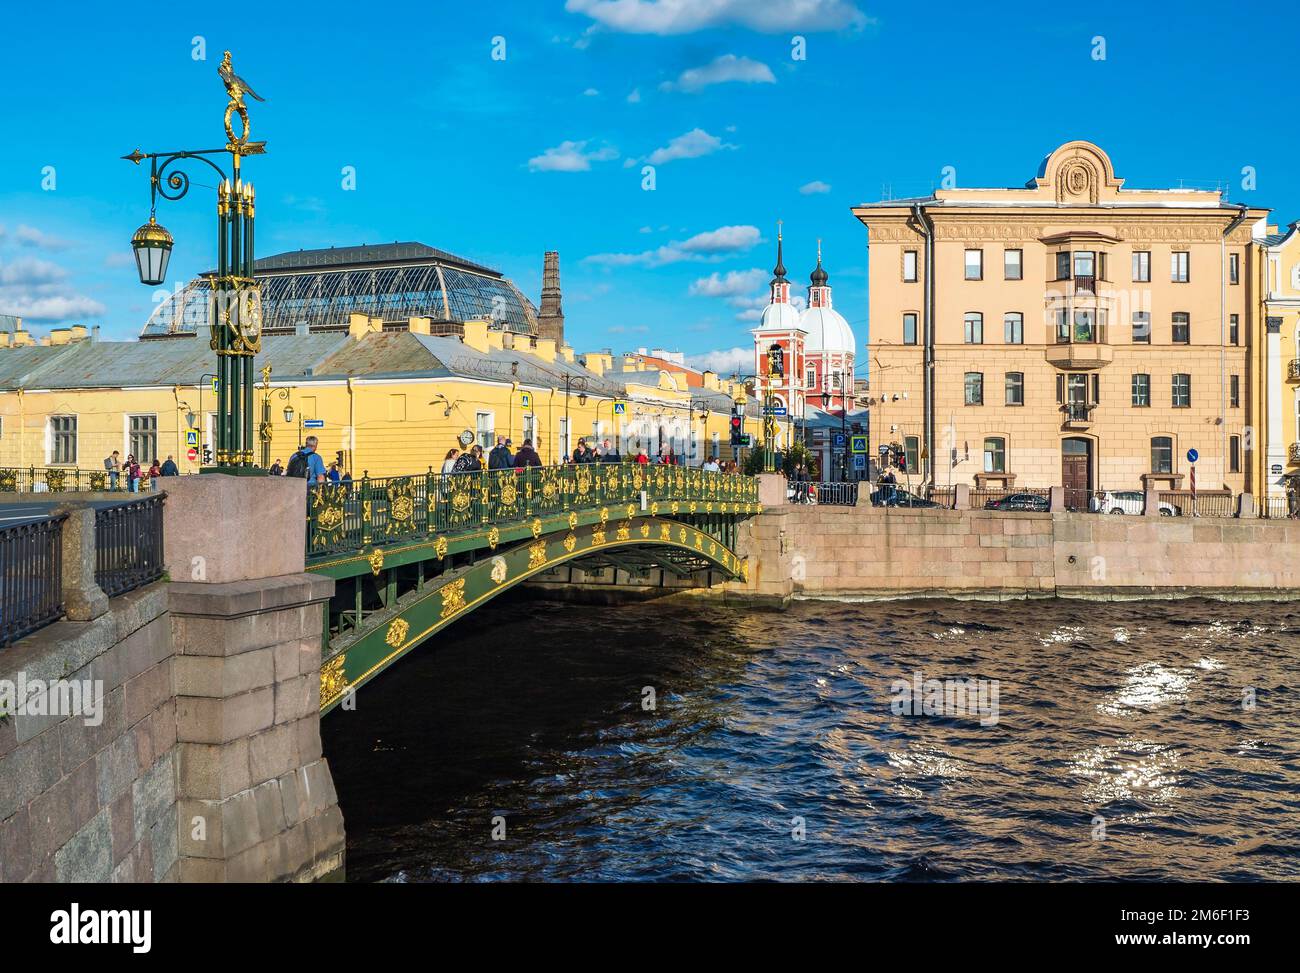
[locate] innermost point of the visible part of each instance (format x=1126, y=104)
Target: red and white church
x=804, y=359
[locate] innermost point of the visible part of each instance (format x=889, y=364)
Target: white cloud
x=38, y=291
x=692, y=145
x=816, y=186
x=720, y=70
x=570, y=157
x=709, y=245
x=591, y=92
x=724, y=361
x=735, y=283
x=634, y=97
x=29, y=236
x=684, y=16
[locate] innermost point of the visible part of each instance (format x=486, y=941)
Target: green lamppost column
x=235, y=306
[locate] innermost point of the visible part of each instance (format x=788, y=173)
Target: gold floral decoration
x=493, y=537
x=573, y=519
x=597, y=538
x=440, y=547
x=537, y=527
x=396, y=634
x=536, y=555
x=376, y=559
x=453, y=597
x=570, y=542
x=333, y=681
x=645, y=530
x=624, y=531
x=499, y=570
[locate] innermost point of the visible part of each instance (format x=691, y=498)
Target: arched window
x=974, y=328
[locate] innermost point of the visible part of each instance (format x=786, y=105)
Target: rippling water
x=1131, y=713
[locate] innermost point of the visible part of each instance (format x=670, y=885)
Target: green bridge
x=412, y=554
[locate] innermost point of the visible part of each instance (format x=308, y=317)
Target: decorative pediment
x=1078, y=172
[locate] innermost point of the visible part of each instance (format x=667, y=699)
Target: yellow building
x=388, y=400
x=1072, y=332
x=1281, y=314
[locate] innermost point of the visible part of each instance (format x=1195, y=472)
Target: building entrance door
x=1076, y=472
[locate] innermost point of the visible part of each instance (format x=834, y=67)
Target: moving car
x=1129, y=502
x=1019, y=501
x=889, y=495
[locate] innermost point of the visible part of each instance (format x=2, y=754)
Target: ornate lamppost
x=235, y=307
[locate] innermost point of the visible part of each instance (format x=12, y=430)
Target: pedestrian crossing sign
x=191, y=437
x=620, y=408
x=526, y=399
x=859, y=444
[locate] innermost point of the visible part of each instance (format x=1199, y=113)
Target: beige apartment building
x=1071, y=332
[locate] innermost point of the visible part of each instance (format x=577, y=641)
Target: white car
x=1128, y=502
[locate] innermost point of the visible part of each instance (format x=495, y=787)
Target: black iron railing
x=1278, y=508
x=349, y=516
x=65, y=479
x=840, y=493
x=31, y=577
x=129, y=544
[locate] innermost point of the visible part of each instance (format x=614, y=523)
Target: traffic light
x=207, y=455
x=737, y=430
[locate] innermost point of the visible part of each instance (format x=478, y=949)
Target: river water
x=1135, y=740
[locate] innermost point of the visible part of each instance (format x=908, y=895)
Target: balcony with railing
x=1078, y=415
x=1082, y=345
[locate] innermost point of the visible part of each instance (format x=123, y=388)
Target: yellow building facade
x=1280, y=270
x=1071, y=332
x=385, y=402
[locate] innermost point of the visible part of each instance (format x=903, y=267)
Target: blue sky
x=499, y=159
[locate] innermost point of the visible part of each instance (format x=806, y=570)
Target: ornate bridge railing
x=65, y=479
x=350, y=516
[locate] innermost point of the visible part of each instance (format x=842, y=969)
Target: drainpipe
x=1223, y=335
x=927, y=227
x=22, y=428
x=352, y=425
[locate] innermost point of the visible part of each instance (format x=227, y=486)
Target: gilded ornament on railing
x=665, y=532
x=440, y=547
x=744, y=569
x=694, y=506
x=624, y=531
x=708, y=508
x=570, y=542
x=332, y=680
x=645, y=530
x=460, y=501
x=376, y=559
x=507, y=492
x=453, y=597
x=401, y=507
x=659, y=479
x=327, y=514
x=597, y=538
x=699, y=541
x=604, y=515
x=612, y=480
x=98, y=480
x=8, y=481
x=631, y=511
x=536, y=555
x=584, y=484
x=681, y=534
x=680, y=481
x=638, y=480
x=674, y=506
x=396, y=634
x=55, y=479
x=537, y=527
x=713, y=548
x=654, y=509
x=365, y=510
x=573, y=519
x=499, y=570
x=493, y=537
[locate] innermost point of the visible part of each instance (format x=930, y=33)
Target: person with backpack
x=306, y=463
x=527, y=456
x=500, y=458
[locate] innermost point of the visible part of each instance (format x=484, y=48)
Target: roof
x=366, y=255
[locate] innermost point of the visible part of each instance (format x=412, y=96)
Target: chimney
x=496, y=339
x=599, y=362
x=420, y=325
x=476, y=336
x=544, y=348
x=710, y=380
x=550, y=320
x=566, y=352
x=360, y=325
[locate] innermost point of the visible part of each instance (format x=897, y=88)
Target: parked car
x=891, y=496
x=1129, y=502
x=1019, y=501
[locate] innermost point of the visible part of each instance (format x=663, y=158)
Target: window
x=1062, y=326
x=1234, y=329
x=974, y=388
x=1162, y=454
x=565, y=449
x=974, y=328
x=909, y=328
x=912, y=452
x=1234, y=268
x=1182, y=325
x=1179, y=266
x=1063, y=265
x=530, y=429
x=1015, y=388
x=909, y=266
x=142, y=438
x=1182, y=390
x=63, y=440
x=1013, y=264
x=1084, y=264
x=811, y=377
x=1013, y=324
x=1234, y=454
x=1084, y=330
x=1141, y=390
x=1234, y=391
x=995, y=455
x=485, y=428
x=1142, y=266
x=974, y=264
x=1141, y=327
x=837, y=379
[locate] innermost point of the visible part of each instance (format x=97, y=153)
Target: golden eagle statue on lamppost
x=236, y=88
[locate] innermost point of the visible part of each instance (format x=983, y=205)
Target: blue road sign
x=776, y=410
x=859, y=444
x=620, y=408
x=859, y=462
x=313, y=424
x=838, y=440
x=1193, y=456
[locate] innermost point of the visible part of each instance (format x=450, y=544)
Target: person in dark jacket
x=500, y=458
x=579, y=453
x=609, y=454
x=470, y=462
x=169, y=468
x=527, y=456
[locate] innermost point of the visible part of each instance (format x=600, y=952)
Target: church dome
x=779, y=317
x=827, y=331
